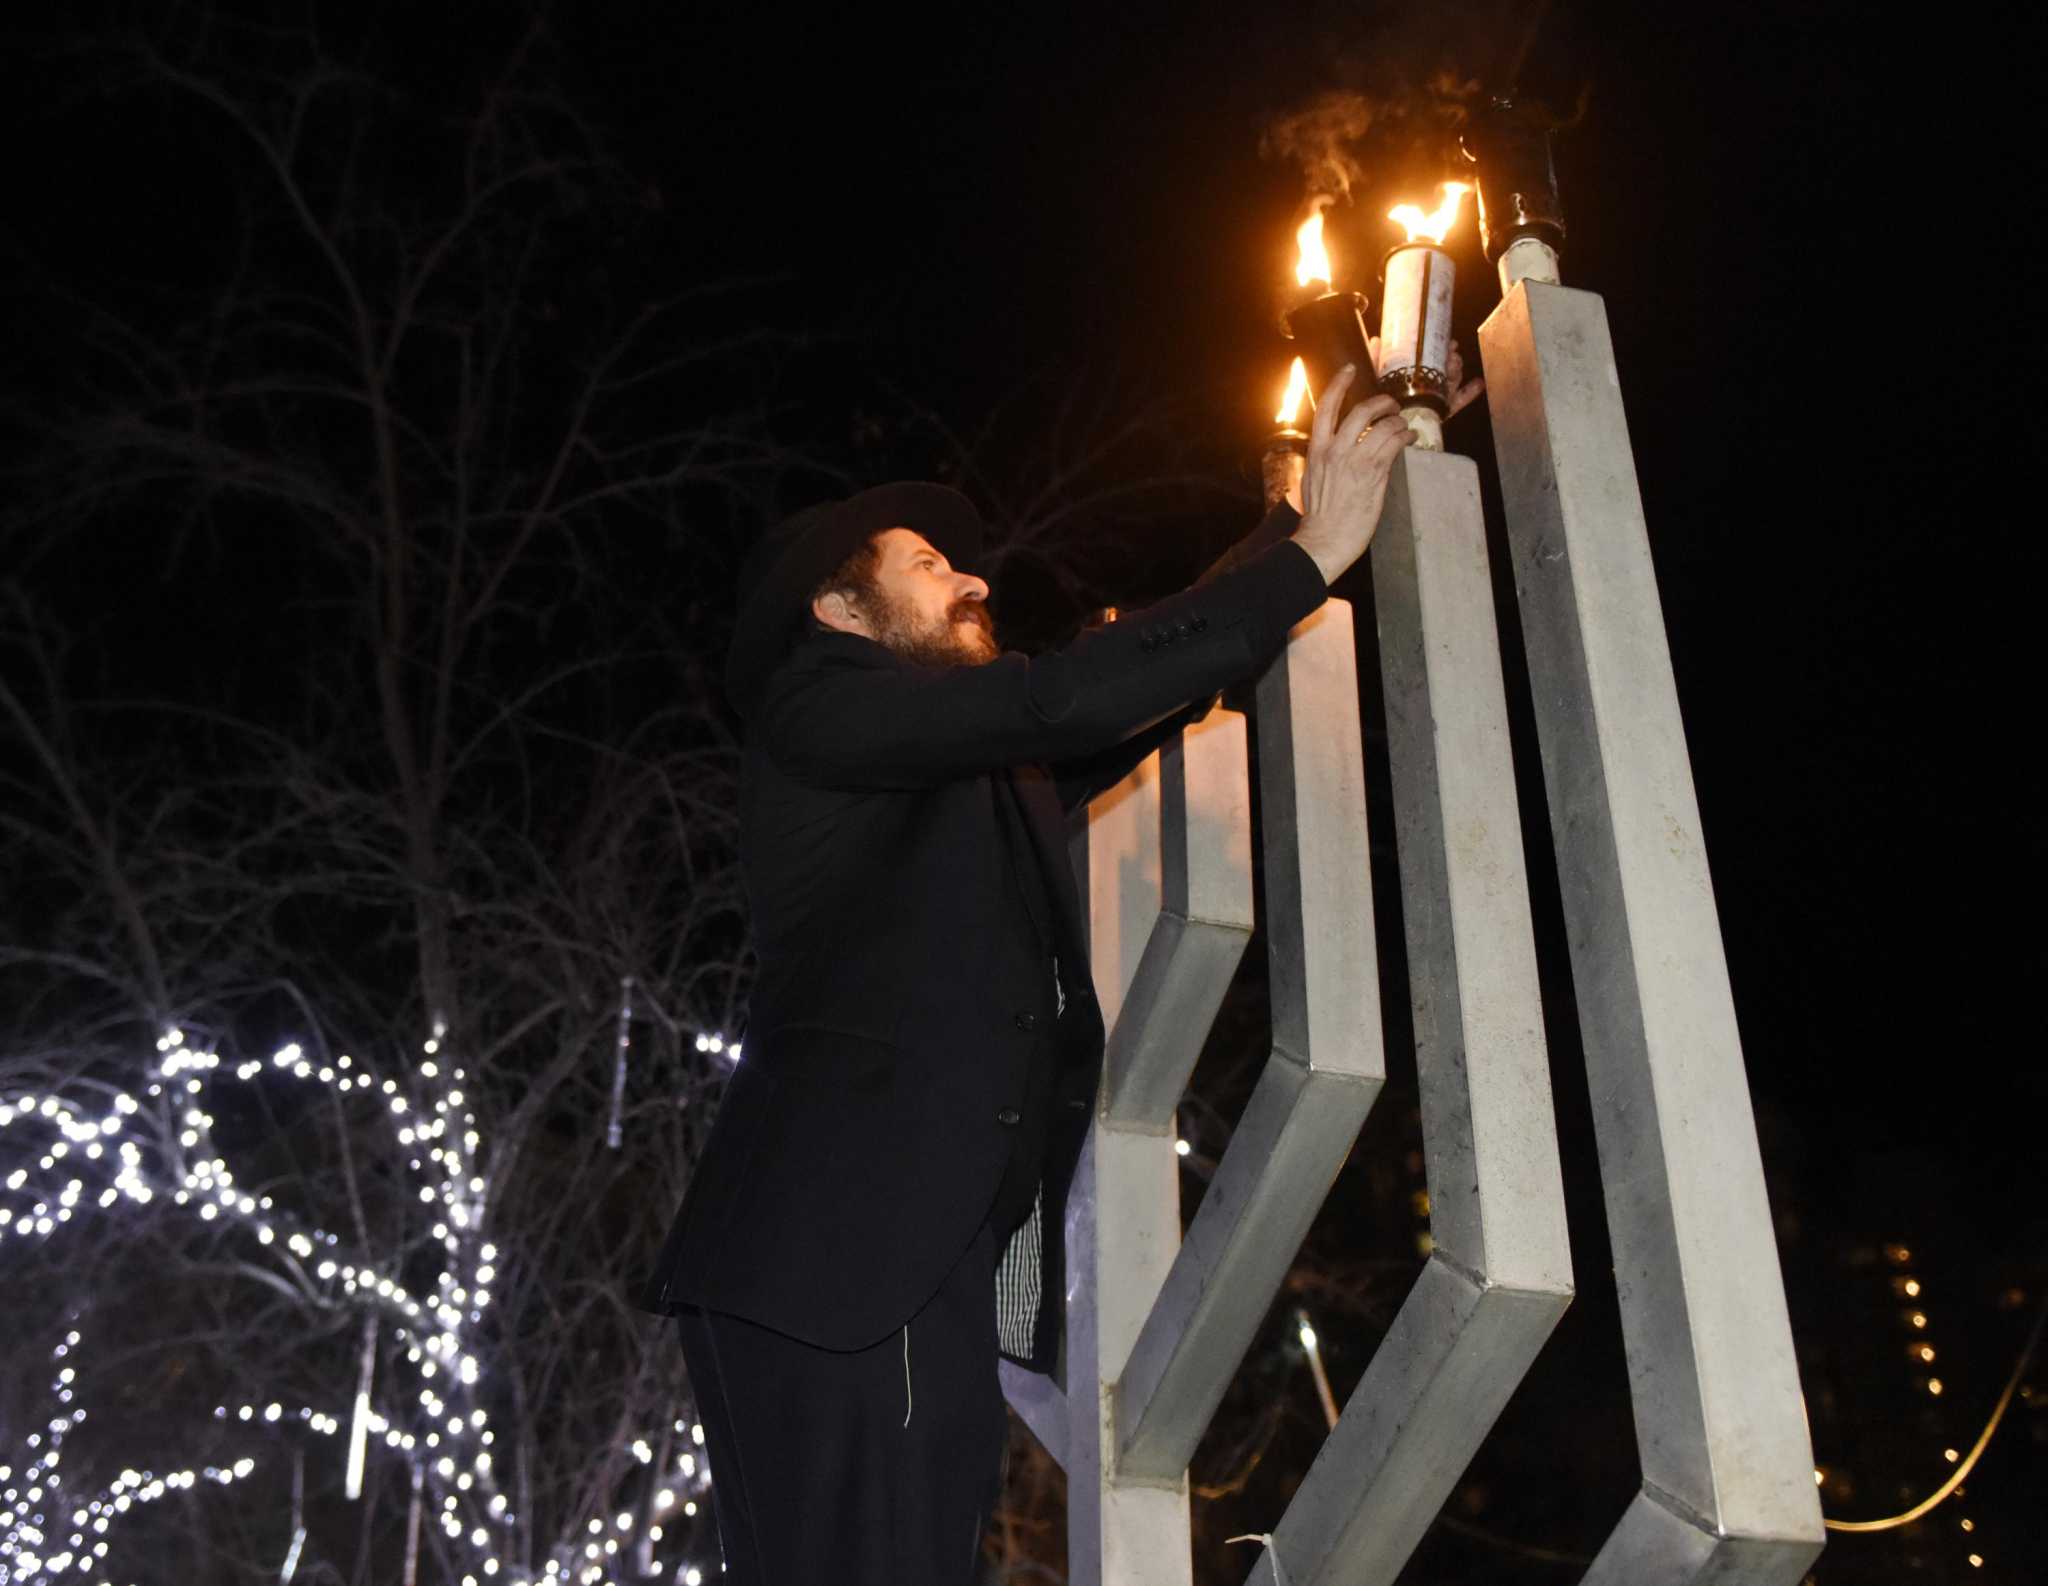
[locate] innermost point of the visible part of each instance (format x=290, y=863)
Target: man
x=878, y=1212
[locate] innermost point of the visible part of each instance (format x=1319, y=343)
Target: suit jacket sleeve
x=1079, y=780
x=842, y=721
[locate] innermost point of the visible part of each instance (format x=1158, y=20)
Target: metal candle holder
x=1330, y=332
x=1415, y=326
x=1521, y=220
x=1282, y=464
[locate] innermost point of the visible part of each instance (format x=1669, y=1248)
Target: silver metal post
x=1166, y=866
x=1499, y=1272
x=1325, y=1069
x=1728, y=1491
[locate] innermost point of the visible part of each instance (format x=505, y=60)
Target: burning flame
x=1297, y=393
x=1314, y=263
x=1431, y=227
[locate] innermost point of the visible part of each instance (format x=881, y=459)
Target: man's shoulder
x=831, y=649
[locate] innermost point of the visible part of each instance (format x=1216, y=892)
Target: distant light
x=1181, y=1148
x=1308, y=1336
x=1819, y=1475
x=1976, y=1561
x=1934, y=1386
x=1951, y=1456
x=1918, y=1318
x=1912, y=1287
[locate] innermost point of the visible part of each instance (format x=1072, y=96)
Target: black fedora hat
x=800, y=553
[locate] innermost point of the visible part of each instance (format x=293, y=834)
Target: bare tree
x=326, y=1001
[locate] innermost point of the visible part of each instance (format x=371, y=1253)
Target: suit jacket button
x=1199, y=624
x=1182, y=629
x=1027, y=1021
x=1008, y=1115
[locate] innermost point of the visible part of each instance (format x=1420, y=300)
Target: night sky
x=1807, y=228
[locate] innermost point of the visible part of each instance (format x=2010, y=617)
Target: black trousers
x=867, y=1467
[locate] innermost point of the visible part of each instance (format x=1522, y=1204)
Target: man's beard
x=964, y=637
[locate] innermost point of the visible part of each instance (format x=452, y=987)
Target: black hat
x=801, y=552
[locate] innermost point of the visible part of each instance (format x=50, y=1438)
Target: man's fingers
x=1328, y=403
x=1385, y=441
x=1364, y=416
x=1467, y=394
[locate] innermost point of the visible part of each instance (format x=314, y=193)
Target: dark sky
x=1807, y=227
x=1800, y=221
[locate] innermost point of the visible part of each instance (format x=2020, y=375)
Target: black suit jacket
x=862, y=1136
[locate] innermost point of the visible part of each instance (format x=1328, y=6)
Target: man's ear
x=835, y=611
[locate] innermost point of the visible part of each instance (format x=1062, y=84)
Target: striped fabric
x=1018, y=1286
x=1019, y=1275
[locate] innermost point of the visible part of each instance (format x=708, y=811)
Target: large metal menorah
x=1158, y=1324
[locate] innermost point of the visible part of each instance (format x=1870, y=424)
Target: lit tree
x=355, y=1044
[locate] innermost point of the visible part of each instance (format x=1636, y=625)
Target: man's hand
x=1459, y=392
x=1345, y=484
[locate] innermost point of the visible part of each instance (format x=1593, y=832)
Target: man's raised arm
x=842, y=720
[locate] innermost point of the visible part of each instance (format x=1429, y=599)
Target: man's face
x=922, y=609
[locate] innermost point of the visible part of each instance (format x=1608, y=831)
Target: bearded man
x=879, y=1211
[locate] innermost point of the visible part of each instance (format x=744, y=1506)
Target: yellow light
x=1308, y=1336
x=1314, y=262
x=1918, y=1318
x=1433, y=226
x=1976, y=1561
x=1912, y=1286
x=1297, y=395
x=1898, y=1255
x=1969, y=1525
x=1925, y=1351
x=1934, y=1386
x=1819, y=1475
x=1950, y=1455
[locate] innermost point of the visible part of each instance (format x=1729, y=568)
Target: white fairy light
x=113, y=1166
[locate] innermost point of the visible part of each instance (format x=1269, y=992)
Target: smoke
x=1402, y=82
x=1343, y=135
x=1323, y=139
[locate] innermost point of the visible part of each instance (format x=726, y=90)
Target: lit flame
x=1297, y=394
x=1433, y=226
x=1314, y=263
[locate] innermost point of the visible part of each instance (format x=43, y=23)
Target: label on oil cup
x=1415, y=314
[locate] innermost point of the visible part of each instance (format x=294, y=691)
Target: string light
x=37, y=1545
x=1969, y=1461
x=70, y=1160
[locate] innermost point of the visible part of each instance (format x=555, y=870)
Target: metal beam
x=1720, y=1424
x=1408, y=1430
x=1326, y=1067
x=1499, y=1275
x=1040, y=1405
x=1197, y=936
x=1154, y=858
x=1488, y=1126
